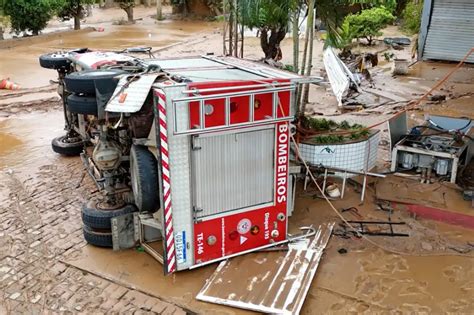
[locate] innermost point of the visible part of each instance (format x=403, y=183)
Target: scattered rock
x=36, y=299
x=342, y=251
x=15, y=295
x=426, y=246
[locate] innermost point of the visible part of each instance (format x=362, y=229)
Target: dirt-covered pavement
x=41, y=194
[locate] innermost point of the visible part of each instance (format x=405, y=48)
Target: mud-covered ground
x=41, y=194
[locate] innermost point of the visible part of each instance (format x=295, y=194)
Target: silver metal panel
x=268, y=282
x=451, y=30
x=217, y=75
x=123, y=232
x=398, y=127
x=233, y=171
x=257, y=68
x=180, y=165
x=136, y=94
x=184, y=63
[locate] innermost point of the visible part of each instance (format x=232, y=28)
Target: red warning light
x=254, y=230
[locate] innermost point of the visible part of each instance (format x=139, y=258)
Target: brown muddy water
x=21, y=65
x=25, y=140
x=373, y=281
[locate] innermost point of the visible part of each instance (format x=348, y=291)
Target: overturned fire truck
x=192, y=151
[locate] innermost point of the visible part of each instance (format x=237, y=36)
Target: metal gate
x=233, y=171
x=450, y=29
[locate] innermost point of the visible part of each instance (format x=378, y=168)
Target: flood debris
x=268, y=282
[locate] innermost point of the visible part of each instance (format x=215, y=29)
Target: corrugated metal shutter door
x=233, y=171
x=451, y=31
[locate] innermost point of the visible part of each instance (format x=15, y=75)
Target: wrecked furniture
x=438, y=147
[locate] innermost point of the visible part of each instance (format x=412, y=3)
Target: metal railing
x=201, y=99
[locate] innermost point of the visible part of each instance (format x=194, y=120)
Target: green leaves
x=30, y=15
x=412, y=17
x=266, y=13
x=368, y=23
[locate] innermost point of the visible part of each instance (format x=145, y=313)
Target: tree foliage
x=73, y=9
x=30, y=15
x=271, y=18
x=412, y=16
x=368, y=23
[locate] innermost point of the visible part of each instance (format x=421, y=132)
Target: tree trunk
x=296, y=40
x=309, y=24
x=159, y=10
x=271, y=45
x=129, y=11
x=109, y=4
x=77, y=22
x=1, y=33
x=310, y=62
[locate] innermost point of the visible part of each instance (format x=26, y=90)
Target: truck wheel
x=56, y=60
x=97, y=237
x=85, y=105
x=82, y=82
x=144, y=178
x=96, y=217
x=67, y=146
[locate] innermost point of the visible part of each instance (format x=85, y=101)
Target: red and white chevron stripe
x=165, y=171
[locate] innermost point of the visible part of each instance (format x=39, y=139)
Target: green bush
x=30, y=15
x=325, y=129
x=412, y=16
x=368, y=23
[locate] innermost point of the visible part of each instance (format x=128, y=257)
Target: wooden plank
x=270, y=282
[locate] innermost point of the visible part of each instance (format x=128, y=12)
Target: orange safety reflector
x=122, y=97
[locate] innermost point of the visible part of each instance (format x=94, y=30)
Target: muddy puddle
x=25, y=141
x=376, y=282
x=434, y=71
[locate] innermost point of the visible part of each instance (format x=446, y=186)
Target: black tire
x=83, y=82
x=55, y=60
x=97, y=238
x=67, y=146
x=96, y=218
x=85, y=105
x=144, y=178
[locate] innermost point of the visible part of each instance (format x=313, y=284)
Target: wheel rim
x=134, y=180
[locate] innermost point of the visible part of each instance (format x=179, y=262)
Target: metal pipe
x=252, y=107
x=152, y=252
x=337, y=169
x=227, y=111
x=296, y=238
x=234, y=126
x=238, y=87
x=239, y=93
x=324, y=182
x=202, y=116
x=344, y=185
x=275, y=99
x=362, y=195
